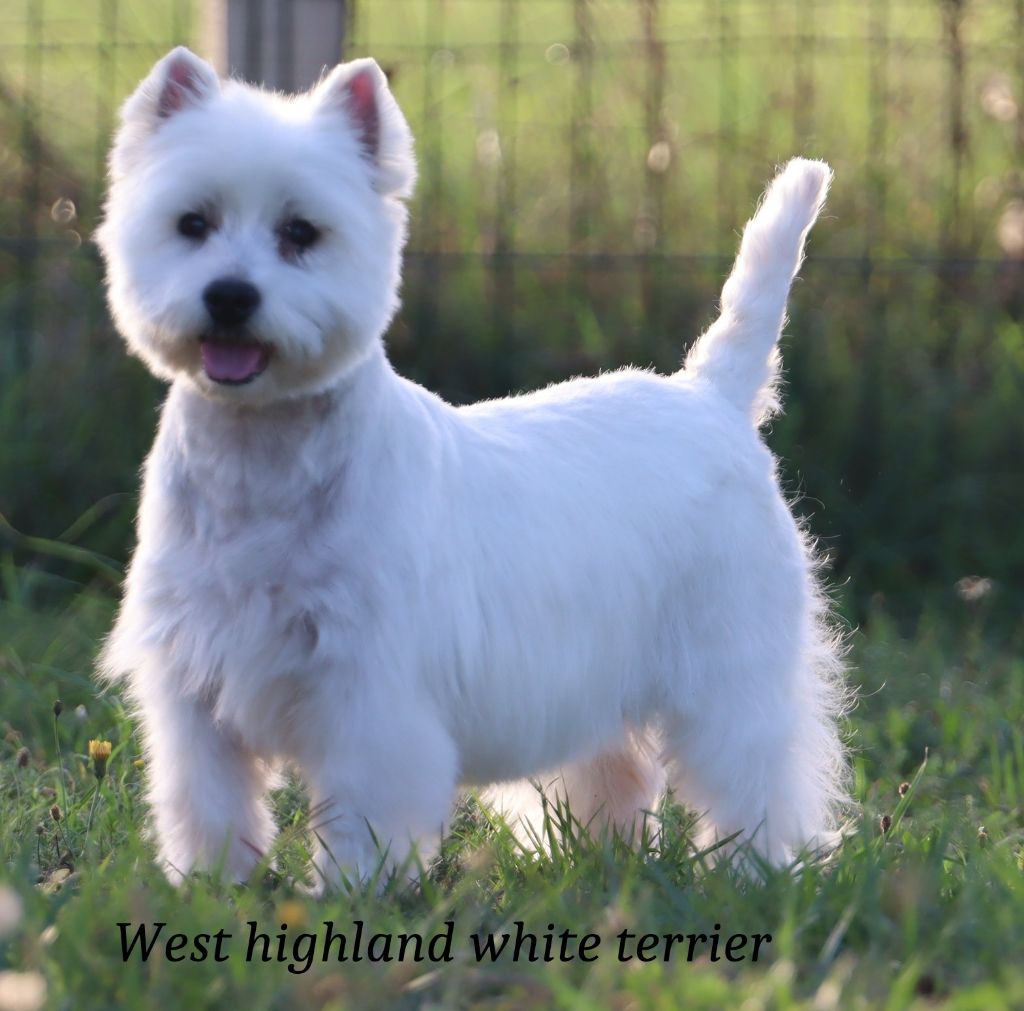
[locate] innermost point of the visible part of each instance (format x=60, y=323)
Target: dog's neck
x=279, y=453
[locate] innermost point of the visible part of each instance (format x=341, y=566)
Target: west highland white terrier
x=598, y=585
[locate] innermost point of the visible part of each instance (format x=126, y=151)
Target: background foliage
x=585, y=168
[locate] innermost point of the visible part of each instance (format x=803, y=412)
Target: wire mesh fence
x=64, y=71
x=584, y=168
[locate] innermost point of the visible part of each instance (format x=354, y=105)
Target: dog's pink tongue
x=233, y=363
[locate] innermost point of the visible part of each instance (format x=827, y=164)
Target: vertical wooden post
x=283, y=44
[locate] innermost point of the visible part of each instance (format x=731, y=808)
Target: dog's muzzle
x=229, y=356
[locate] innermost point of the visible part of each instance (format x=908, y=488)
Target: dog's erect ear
x=359, y=91
x=179, y=81
x=188, y=80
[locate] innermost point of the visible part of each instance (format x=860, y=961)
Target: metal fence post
x=283, y=44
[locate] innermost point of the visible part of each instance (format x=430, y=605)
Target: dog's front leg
x=205, y=790
x=378, y=787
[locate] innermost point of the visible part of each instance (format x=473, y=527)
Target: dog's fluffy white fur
x=594, y=585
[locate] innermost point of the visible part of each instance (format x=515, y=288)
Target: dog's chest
x=235, y=578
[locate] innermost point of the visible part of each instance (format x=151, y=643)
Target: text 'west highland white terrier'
x=599, y=585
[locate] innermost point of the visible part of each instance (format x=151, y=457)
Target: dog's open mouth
x=233, y=362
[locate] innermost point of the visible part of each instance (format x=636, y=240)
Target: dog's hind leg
x=616, y=789
x=758, y=754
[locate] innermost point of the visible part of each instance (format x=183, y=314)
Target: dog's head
x=253, y=241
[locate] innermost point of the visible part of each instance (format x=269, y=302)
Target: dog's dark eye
x=193, y=225
x=299, y=234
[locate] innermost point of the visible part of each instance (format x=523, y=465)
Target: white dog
x=594, y=584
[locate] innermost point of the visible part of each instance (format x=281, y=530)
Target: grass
x=924, y=914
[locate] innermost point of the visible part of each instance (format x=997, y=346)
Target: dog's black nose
x=231, y=302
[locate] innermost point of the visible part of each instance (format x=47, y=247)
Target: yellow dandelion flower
x=292, y=913
x=99, y=753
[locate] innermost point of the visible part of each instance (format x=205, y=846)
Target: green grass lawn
x=925, y=914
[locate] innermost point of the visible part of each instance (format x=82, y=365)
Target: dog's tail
x=738, y=354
